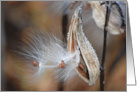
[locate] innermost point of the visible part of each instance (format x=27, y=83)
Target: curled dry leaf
x=116, y=21
x=89, y=67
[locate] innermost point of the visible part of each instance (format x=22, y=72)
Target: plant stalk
x=102, y=69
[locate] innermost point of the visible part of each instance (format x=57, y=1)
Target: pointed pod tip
x=78, y=11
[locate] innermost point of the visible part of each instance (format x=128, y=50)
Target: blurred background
x=21, y=17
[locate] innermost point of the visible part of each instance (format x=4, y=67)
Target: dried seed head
x=48, y=53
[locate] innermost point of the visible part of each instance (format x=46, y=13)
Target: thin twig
x=104, y=48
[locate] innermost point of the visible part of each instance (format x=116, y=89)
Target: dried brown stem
x=104, y=48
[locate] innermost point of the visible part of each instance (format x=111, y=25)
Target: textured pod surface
x=78, y=41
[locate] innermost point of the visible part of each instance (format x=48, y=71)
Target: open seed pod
x=88, y=68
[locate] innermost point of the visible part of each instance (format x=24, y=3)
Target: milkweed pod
x=88, y=68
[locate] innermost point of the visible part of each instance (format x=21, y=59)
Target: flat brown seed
x=35, y=63
x=81, y=67
x=81, y=72
x=62, y=65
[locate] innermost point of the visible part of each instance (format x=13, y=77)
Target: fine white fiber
x=45, y=51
